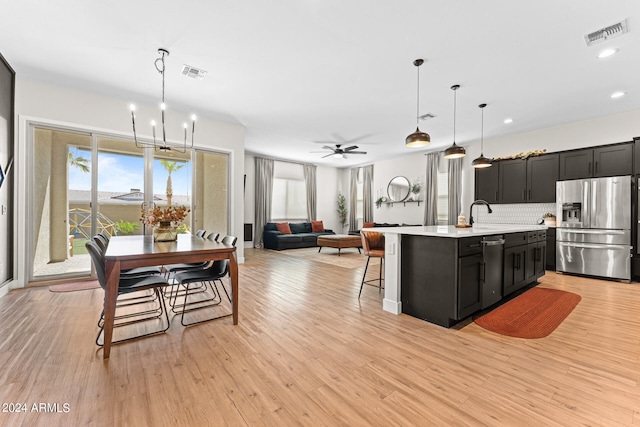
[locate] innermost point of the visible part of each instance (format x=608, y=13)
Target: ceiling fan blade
x=357, y=152
x=328, y=148
x=353, y=147
x=330, y=154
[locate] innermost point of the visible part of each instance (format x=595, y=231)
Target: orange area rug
x=75, y=286
x=534, y=314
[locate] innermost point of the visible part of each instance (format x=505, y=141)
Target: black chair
x=102, y=243
x=174, y=268
x=129, y=286
x=373, y=247
x=212, y=274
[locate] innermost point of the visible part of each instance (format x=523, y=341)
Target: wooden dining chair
x=372, y=247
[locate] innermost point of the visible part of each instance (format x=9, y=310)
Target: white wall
x=412, y=167
x=53, y=104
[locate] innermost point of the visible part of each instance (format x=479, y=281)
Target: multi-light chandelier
x=162, y=145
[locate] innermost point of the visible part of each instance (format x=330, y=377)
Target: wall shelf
x=404, y=202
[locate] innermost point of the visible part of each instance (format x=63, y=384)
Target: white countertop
x=456, y=233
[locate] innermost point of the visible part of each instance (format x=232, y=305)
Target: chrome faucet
x=478, y=202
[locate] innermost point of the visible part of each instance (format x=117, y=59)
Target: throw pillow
x=283, y=227
x=317, y=227
x=368, y=225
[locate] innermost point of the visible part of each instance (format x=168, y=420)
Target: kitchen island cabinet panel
x=469, y=285
x=429, y=268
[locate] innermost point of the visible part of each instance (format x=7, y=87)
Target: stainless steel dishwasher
x=492, y=255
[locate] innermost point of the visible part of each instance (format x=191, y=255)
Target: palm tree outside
x=171, y=167
x=79, y=162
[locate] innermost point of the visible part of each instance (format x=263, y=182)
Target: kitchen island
x=444, y=274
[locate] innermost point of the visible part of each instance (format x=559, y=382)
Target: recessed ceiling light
x=607, y=53
x=507, y=121
x=615, y=95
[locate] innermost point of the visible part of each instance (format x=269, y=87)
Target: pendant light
x=455, y=151
x=482, y=161
x=418, y=138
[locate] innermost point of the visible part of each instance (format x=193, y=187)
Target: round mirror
x=398, y=189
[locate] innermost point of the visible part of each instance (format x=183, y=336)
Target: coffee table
x=339, y=241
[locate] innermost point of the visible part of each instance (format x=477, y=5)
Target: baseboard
x=391, y=306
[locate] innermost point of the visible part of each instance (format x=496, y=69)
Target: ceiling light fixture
x=455, y=151
x=617, y=95
x=507, y=121
x=607, y=53
x=418, y=138
x=161, y=145
x=482, y=161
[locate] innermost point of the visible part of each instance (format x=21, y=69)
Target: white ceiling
x=297, y=72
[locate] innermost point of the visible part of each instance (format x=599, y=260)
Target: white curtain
x=264, y=193
x=367, y=196
x=353, y=200
x=431, y=190
x=455, y=189
x=312, y=196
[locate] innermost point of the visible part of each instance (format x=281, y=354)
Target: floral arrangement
x=171, y=214
x=380, y=201
x=523, y=155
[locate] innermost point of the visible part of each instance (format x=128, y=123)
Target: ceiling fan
x=338, y=151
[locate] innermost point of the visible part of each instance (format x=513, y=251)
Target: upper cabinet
x=519, y=181
x=610, y=160
x=486, y=184
x=542, y=174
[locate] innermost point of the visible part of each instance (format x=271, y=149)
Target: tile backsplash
x=522, y=213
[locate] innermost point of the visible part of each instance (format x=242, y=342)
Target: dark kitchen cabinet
x=636, y=162
x=529, y=181
x=513, y=181
x=542, y=174
x=551, y=249
x=486, y=183
x=469, y=285
x=536, y=255
x=614, y=160
x=515, y=257
x=609, y=160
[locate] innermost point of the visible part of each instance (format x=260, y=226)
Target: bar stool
x=373, y=247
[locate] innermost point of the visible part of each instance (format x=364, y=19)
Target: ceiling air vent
x=426, y=116
x=193, y=72
x=606, y=33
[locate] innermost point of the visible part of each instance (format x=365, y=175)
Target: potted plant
x=342, y=210
x=380, y=201
x=549, y=219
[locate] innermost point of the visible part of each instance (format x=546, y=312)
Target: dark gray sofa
x=301, y=236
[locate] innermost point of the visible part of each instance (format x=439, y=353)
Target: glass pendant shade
x=455, y=151
x=482, y=161
x=418, y=138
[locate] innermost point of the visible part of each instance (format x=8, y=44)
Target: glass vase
x=165, y=232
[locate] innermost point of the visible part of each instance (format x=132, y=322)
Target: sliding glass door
x=86, y=183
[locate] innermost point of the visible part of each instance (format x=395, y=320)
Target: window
x=360, y=197
x=443, y=197
x=289, y=202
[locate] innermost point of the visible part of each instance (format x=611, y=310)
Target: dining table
x=124, y=252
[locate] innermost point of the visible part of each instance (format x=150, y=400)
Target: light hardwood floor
x=307, y=352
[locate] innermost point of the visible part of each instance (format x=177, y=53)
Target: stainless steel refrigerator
x=594, y=227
